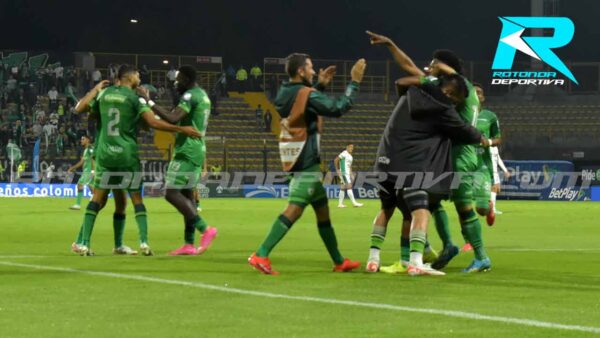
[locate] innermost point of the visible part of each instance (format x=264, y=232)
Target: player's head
x=185, y=79
x=128, y=76
x=85, y=140
x=350, y=148
x=300, y=68
x=447, y=57
x=479, y=90
x=454, y=87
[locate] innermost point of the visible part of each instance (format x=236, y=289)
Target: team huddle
x=437, y=128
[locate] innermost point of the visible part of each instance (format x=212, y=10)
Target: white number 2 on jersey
x=114, y=116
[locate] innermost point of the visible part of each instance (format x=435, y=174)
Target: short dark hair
x=450, y=58
x=189, y=72
x=456, y=81
x=477, y=84
x=295, y=61
x=125, y=70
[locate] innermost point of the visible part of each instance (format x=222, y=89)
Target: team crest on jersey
x=187, y=96
x=311, y=191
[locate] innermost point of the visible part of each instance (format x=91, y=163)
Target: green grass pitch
x=545, y=255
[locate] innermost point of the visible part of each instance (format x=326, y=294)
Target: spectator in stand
x=11, y=87
x=17, y=133
x=96, y=76
x=36, y=130
x=256, y=76
x=259, y=117
x=70, y=94
x=112, y=72
x=40, y=115
x=61, y=140
x=231, y=73
x=268, y=119
x=48, y=131
x=241, y=78
x=61, y=112
x=72, y=135
x=222, y=85
x=53, y=97
x=59, y=73
x=54, y=118
x=144, y=75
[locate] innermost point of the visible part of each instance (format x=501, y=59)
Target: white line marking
x=544, y=250
x=448, y=313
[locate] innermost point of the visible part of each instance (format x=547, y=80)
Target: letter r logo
x=538, y=47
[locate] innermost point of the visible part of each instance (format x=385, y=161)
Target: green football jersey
x=488, y=125
x=88, y=155
x=120, y=110
x=196, y=104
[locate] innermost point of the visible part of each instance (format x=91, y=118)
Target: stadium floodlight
x=166, y=62
x=133, y=20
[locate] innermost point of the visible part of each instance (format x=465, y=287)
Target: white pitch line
x=381, y=306
x=544, y=250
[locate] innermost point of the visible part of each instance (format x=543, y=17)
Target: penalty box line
x=333, y=301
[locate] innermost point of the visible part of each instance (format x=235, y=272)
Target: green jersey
x=488, y=125
x=88, y=155
x=196, y=104
x=119, y=109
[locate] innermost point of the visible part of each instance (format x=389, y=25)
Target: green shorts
x=85, y=179
x=482, y=187
x=306, y=188
x=118, y=178
x=182, y=174
x=463, y=195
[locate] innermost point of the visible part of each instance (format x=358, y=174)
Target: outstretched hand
x=358, y=70
x=377, y=39
x=326, y=75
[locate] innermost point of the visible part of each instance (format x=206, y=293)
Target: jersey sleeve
x=495, y=128
x=325, y=106
x=94, y=106
x=186, y=102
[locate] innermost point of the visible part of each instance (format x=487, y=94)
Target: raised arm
x=84, y=104
x=402, y=84
x=403, y=60
x=326, y=106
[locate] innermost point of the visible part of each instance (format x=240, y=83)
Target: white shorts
x=496, y=176
x=346, y=179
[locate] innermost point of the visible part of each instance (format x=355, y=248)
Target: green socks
x=442, y=225
x=378, y=236
x=328, y=236
x=88, y=221
x=471, y=229
x=79, y=197
x=278, y=230
x=118, y=229
x=142, y=222
x=417, y=240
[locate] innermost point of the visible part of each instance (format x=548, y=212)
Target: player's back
x=465, y=156
x=196, y=103
x=120, y=110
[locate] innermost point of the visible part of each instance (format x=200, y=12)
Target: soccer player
x=185, y=168
x=464, y=157
x=489, y=126
x=343, y=166
x=120, y=111
x=300, y=105
x=497, y=162
x=423, y=122
x=87, y=162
